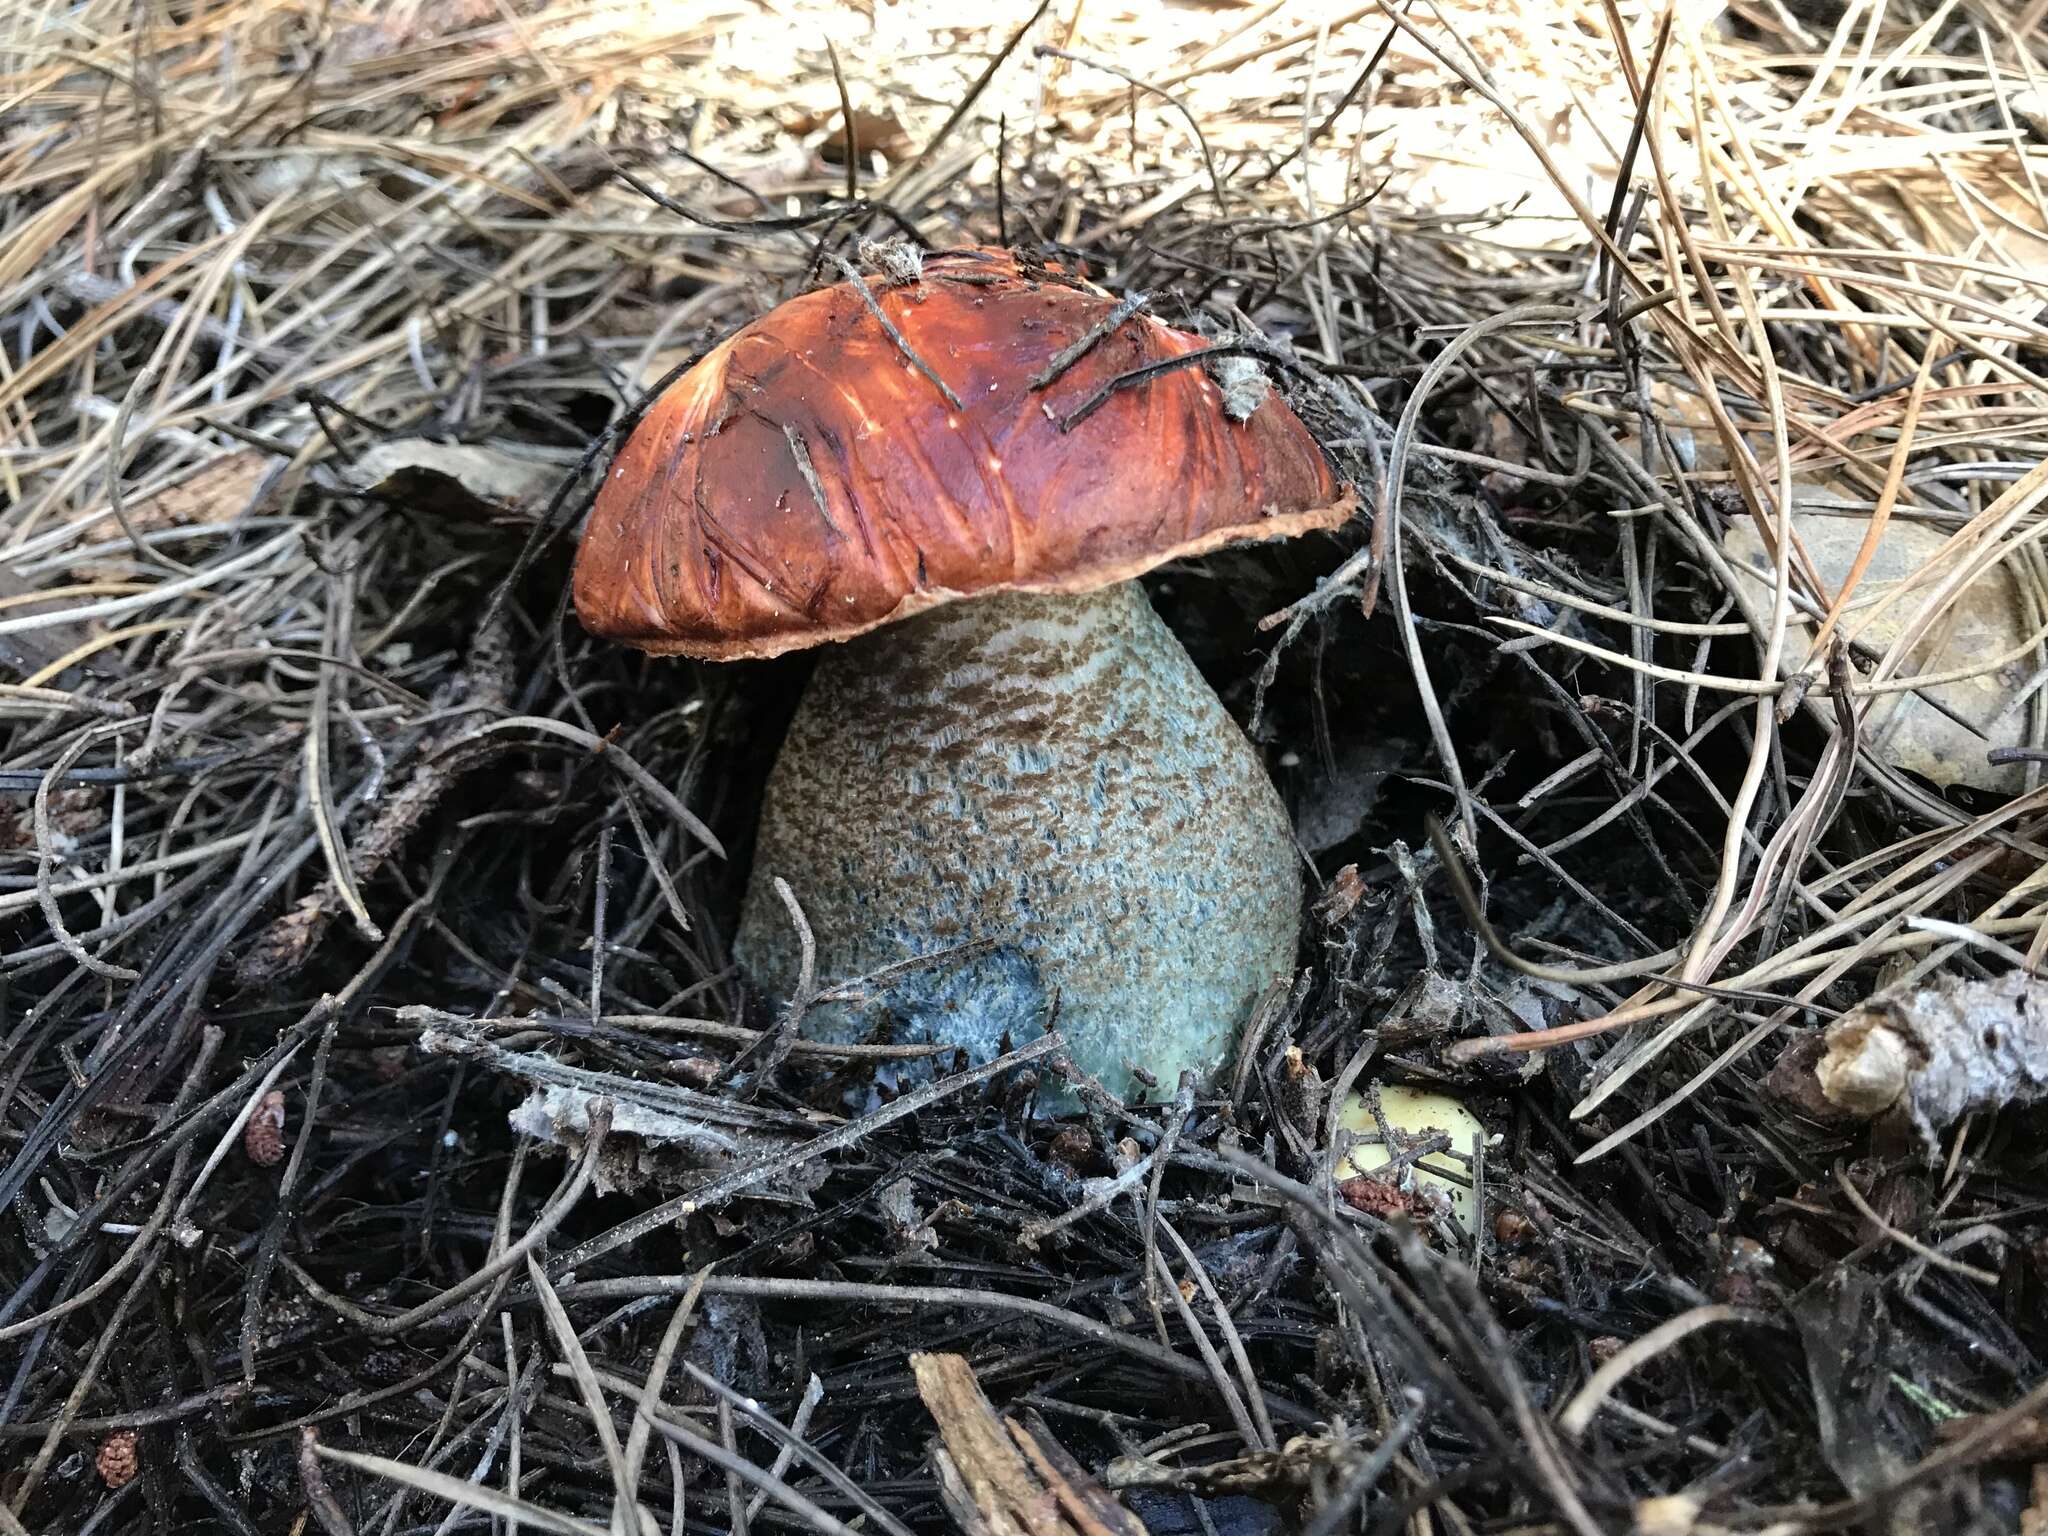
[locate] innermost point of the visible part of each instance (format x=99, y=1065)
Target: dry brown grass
x=308, y=311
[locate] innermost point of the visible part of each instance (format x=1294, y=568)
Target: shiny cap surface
x=806, y=482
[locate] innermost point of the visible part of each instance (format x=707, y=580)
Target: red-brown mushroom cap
x=805, y=482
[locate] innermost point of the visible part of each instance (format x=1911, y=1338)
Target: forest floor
x=387, y=1142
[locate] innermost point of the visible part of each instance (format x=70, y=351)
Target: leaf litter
x=385, y=1138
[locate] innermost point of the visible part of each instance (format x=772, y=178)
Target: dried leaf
x=872, y=132
x=217, y=490
x=487, y=484
x=1987, y=619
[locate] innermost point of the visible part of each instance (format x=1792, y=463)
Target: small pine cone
x=116, y=1461
x=1378, y=1198
x=1073, y=1150
x=263, y=1135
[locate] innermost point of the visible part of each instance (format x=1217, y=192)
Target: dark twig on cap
x=800, y=451
x=1071, y=354
x=1263, y=351
x=860, y=286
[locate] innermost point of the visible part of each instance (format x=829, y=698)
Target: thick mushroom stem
x=1050, y=775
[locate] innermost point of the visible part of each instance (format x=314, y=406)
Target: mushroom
x=1414, y=1116
x=1006, y=764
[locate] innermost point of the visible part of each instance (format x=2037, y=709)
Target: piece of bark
x=999, y=1478
x=1932, y=1052
x=660, y=1135
x=2034, y=1518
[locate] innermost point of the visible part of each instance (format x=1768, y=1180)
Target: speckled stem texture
x=1051, y=774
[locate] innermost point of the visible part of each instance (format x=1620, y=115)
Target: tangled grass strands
x=1715, y=620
